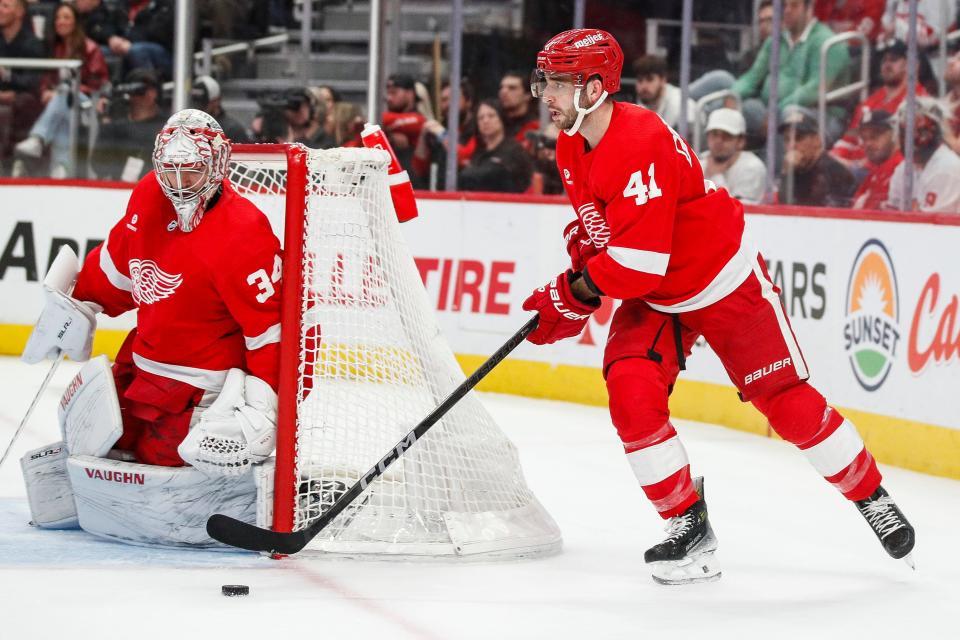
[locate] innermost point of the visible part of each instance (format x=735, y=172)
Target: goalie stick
x=242, y=535
x=33, y=405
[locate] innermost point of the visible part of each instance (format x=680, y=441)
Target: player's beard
x=566, y=119
x=569, y=116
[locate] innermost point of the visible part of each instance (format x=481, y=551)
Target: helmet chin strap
x=581, y=112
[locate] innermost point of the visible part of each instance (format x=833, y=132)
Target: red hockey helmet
x=581, y=53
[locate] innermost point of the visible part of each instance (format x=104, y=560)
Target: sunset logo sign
x=871, y=332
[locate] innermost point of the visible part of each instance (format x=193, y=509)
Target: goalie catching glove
x=65, y=324
x=562, y=315
x=237, y=430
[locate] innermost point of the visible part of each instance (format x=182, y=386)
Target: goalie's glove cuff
x=258, y=418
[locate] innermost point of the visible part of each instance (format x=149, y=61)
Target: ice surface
x=798, y=562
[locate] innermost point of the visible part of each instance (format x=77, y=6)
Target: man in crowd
x=934, y=17
x=19, y=89
x=742, y=173
x=546, y=180
x=893, y=73
x=764, y=31
x=432, y=146
x=864, y=16
x=951, y=101
x=126, y=139
x=936, y=187
x=100, y=22
x=879, y=143
x=402, y=123
x=146, y=40
x=206, y=97
x=519, y=110
x=656, y=94
x=799, y=71
x=810, y=175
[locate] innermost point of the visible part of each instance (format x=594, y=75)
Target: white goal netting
x=372, y=364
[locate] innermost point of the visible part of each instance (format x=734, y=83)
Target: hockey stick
x=237, y=533
x=33, y=405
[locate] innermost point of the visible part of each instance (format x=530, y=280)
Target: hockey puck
x=231, y=590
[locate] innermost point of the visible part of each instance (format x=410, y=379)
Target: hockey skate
x=686, y=556
x=887, y=521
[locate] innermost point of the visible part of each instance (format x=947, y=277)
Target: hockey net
x=363, y=362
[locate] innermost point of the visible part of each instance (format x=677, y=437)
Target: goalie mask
x=580, y=54
x=190, y=159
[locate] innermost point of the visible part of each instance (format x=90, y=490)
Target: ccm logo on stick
x=767, y=370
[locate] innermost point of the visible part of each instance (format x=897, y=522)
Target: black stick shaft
x=408, y=441
x=246, y=536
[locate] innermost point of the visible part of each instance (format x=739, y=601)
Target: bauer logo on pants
x=871, y=333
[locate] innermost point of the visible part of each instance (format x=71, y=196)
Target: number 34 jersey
x=663, y=234
x=207, y=301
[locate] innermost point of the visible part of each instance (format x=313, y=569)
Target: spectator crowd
x=851, y=158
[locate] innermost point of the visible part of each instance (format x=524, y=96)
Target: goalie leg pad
x=48, y=487
x=156, y=506
x=89, y=413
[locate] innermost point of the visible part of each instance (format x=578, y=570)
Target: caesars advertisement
x=873, y=303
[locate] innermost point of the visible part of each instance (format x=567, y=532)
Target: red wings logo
x=151, y=283
x=594, y=224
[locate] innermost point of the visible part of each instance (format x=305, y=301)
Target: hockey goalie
x=166, y=435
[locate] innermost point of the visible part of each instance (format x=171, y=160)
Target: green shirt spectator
x=799, y=78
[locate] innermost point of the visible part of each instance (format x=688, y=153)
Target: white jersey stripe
x=269, y=336
x=110, y=270
x=834, y=454
x=207, y=379
x=737, y=269
x=658, y=462
x=640, y=260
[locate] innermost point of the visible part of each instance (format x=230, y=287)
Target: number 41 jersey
x=663, y=234
x=207, y=301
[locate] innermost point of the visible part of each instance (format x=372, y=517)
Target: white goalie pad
x=48, y=487
x=156, y=506
x=89, y=413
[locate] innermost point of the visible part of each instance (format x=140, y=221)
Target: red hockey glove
x=579, y=245
x=561, y=314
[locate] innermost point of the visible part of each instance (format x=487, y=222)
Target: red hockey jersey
x=207, y=301
x=664, y=235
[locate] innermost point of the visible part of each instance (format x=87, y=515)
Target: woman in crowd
x=499, y=163
x=52, y=128
x=348, y=123
x=329, y=98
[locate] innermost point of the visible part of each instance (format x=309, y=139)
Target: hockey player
x=201, y=266
x=650, y=232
